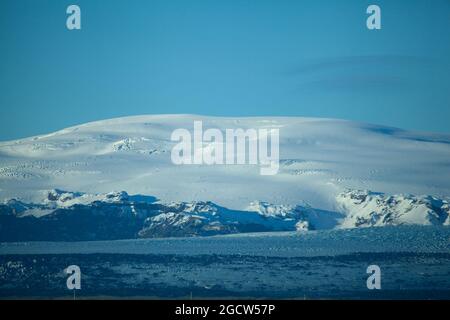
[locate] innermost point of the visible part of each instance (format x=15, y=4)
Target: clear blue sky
x=223, y=57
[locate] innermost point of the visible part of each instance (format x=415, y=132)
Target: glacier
x=114, y=179
x=105, y=196
x=319, y=158
x=278, y=265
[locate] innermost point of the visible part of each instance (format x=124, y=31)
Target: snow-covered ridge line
x=365, y=208
x=75, y=216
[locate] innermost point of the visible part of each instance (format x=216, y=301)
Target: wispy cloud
x=345, y=62
x=357, y=82
x=359, y=73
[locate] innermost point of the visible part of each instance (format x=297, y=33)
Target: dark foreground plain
x=321, y=265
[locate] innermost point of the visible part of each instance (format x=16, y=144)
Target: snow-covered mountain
x=68, y=216
x=364, y=208
x=323, y=164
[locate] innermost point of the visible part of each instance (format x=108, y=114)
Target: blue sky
x=230, y=58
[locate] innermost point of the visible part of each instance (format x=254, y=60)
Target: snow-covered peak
x=365, y=208
x=60, y=198
x=276, y=210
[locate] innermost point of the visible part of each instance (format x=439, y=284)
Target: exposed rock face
x=69, y=216
x=74, y=216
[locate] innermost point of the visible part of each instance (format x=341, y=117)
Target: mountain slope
x=319, y=159
x=69, y=216
x=325, y=165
